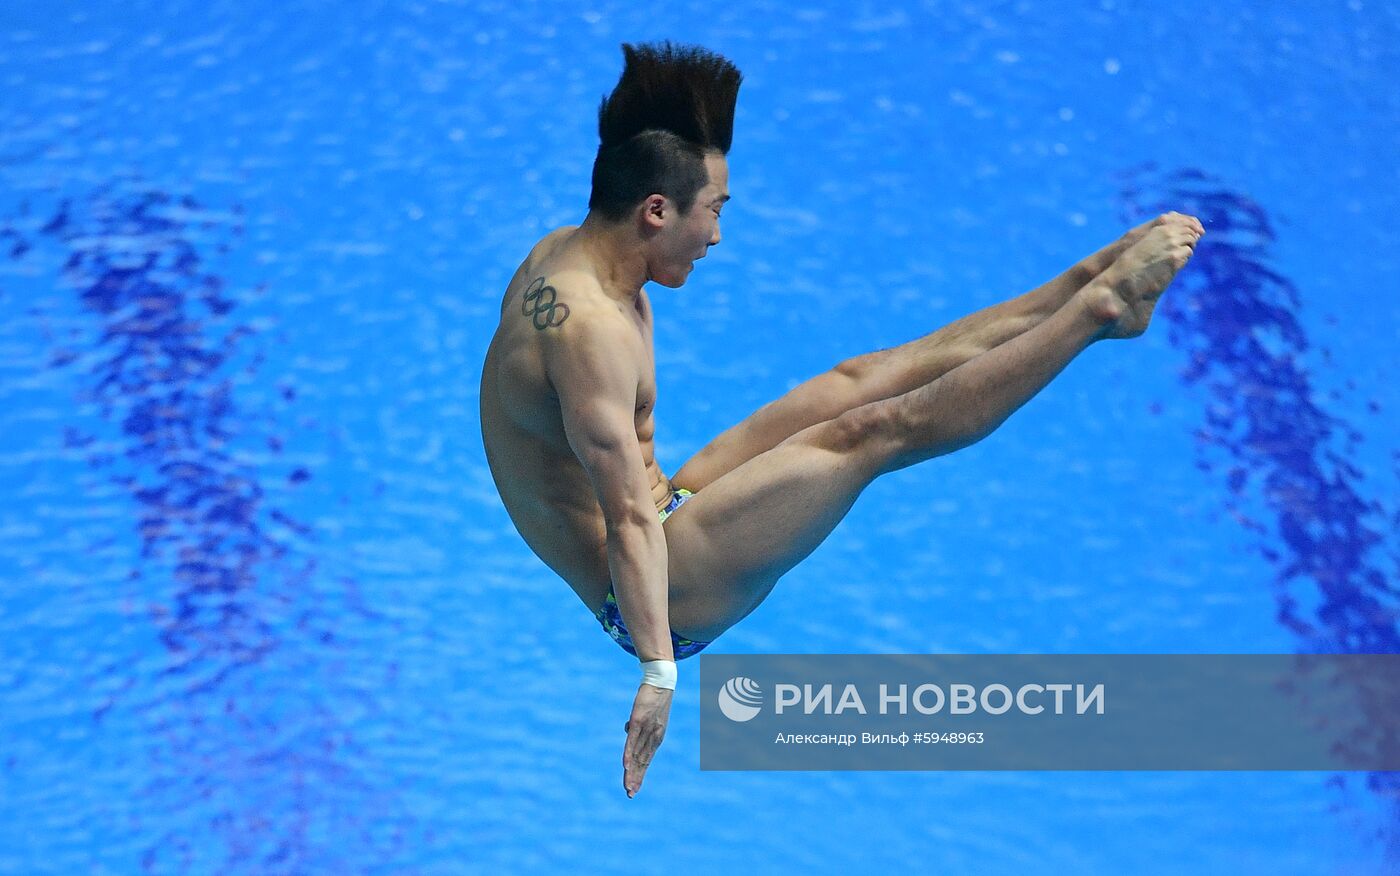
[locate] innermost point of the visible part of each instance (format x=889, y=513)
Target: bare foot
x=1124, y=296
x=1134, y=235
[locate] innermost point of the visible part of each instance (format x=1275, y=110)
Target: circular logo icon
x=740, y=699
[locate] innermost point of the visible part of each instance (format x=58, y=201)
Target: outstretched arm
x=596, y=379
x=596, y=376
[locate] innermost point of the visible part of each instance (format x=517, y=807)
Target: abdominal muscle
x=563, y=525
x=552, y=503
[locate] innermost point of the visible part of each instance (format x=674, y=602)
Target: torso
x=545, y=489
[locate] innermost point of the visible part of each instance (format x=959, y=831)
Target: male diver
x=568, y=389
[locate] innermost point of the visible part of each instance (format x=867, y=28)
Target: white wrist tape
x=660, y=673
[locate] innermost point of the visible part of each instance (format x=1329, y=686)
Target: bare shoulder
x=556, y=307
x=544, y=256
x=559, y=299
x=572, y=317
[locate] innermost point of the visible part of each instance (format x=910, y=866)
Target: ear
x=655, y=210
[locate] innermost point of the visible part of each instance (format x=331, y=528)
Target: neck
x=616, y=253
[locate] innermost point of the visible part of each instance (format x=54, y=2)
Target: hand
x=650, y=712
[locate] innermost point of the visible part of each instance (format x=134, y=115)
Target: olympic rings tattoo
x=539, y=303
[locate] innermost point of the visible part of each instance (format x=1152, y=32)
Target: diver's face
x=688, y=236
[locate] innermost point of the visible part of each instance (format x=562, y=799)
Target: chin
x=674, y=280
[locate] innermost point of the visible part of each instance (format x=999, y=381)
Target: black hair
x=671, y=106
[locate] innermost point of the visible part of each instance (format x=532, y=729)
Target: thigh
x=731, y=543
x=817, y=400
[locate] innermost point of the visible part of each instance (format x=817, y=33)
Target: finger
x=637, y=759
x=630, y=783
x=633, y=776
x=636, y=753
x=632, y=771
x=629, y=748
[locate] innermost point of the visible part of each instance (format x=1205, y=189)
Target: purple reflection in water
x=246, y=769
x=1282, y=458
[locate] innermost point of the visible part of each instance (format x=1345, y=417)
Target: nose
x=714, y=238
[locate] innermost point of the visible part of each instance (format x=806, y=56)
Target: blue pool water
x=263, y=611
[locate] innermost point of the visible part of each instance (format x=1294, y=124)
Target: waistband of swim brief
x=678, y=498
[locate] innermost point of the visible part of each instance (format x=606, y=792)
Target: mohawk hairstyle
x=671, y=106
x=686, y=90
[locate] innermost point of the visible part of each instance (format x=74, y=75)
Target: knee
x=864, y=431
x=851, y=369
x=857, y=369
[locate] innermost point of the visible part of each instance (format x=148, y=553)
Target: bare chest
x=646, y=386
